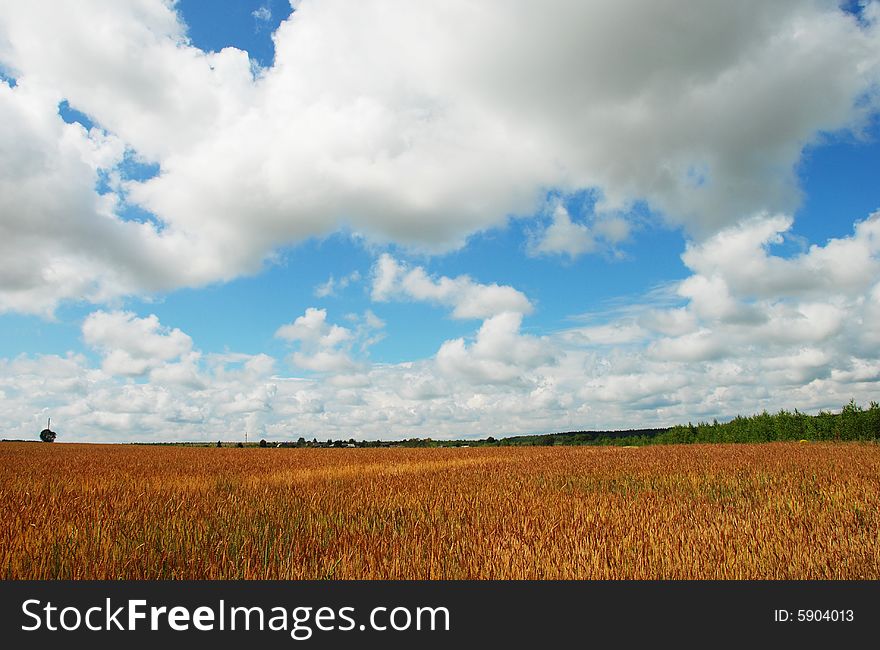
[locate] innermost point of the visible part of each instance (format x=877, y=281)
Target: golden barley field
x=779, y=510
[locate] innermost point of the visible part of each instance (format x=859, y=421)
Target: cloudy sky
x=384, y=219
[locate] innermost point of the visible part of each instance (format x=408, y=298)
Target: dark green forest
x=852, y=423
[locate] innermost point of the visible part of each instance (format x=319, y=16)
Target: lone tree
x=47, y=435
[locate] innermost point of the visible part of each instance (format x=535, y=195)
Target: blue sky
x=215, y=24
x=391, y=229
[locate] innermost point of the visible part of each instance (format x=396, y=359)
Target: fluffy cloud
x=59, y=238
x=493, y=104
x=468, y=299
x=131, y=345
x=312, y=328
x=500, y=354
x=319, y=342
x=739, y=258
x=565, y=237
x=746, y=302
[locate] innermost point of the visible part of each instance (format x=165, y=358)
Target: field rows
x=782, y=510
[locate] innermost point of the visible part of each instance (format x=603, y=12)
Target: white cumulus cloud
x=565, y=237
x=323, y=347
x=468, y=299
x=418, y=123
x=132, y=345
x=499, y=354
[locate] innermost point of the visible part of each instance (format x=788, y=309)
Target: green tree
x=851, y=421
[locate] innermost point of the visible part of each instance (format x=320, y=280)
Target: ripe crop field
x=779, y=510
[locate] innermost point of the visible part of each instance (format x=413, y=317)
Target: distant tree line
x=852, y=423
x=575, y=438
